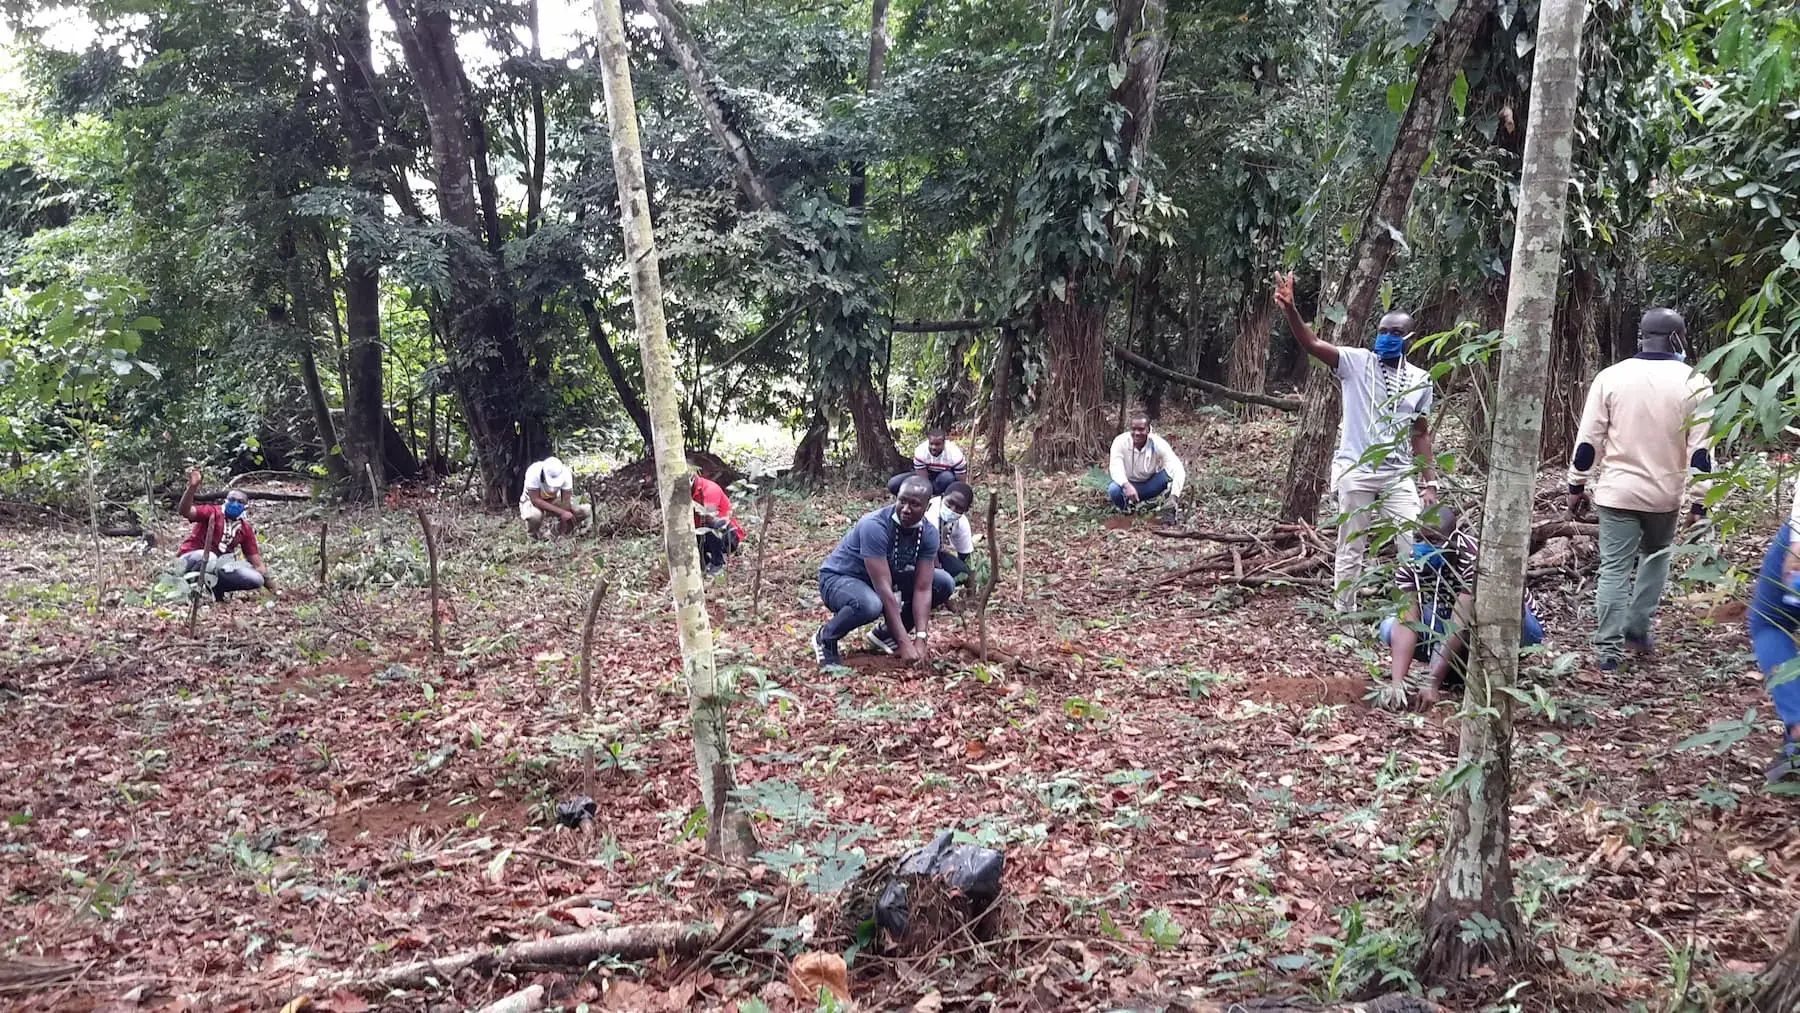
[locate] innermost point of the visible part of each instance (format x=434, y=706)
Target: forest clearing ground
x=1190, y=789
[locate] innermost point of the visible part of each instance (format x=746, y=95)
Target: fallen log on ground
x=527, y=1000
x=627, y=942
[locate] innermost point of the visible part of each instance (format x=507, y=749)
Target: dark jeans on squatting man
x=230, y=574
x=854, y=603
x=1774, y=629
x=715, y=545
x=1148, y=489
x=940, y=482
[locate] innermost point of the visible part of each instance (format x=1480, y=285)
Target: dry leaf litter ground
x=1192, y=793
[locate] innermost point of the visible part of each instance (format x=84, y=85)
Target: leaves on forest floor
x=1193, y=795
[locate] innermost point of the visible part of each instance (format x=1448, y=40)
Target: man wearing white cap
x=550, y=490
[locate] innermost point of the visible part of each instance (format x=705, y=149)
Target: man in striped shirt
x=937, y=461
x=1439, y=583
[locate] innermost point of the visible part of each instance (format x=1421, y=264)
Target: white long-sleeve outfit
x=1129, y=464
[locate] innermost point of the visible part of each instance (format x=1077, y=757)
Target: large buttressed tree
x=489, y=363
x=1082, y=205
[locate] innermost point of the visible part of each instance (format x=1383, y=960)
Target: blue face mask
x=1428, y=555
x=234, y=509
x=1390, y=346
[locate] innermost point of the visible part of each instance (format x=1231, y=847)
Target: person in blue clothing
x=1775, y=637
x=885, y=568
x=1438, y=585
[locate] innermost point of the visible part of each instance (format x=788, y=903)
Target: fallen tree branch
x=527, y=1000
x=626, y=942
x=1286, y=404
x=1543, y=531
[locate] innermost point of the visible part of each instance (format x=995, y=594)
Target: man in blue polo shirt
x=885, y=568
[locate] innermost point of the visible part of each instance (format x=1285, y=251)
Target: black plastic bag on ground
x=967, y=875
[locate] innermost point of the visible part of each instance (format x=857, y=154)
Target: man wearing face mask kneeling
x=885, y=568
x=219, y=534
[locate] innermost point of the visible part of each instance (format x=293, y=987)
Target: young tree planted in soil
x=728, y=829
x=1470, y=919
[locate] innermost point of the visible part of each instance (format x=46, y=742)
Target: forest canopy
x=342, y=238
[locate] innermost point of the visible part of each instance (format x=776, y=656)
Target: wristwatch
x=920, y=636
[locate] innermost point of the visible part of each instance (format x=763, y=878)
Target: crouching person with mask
x=885, y=568
x=956, y=542
x=218, y=535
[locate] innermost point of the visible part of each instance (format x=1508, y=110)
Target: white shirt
x=1380, y=404
x=1129, y=464
x=535, y=480
x=950, y=460
x=957, y=534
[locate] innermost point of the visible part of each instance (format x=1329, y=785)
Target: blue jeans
x=940, y=482
x=1774, y=630
x=854, y=603
x=1531, y=632
x=1148, y=489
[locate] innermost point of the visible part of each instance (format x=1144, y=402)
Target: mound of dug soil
x=637, y=480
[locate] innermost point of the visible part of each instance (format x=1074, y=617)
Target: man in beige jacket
x=1645, y=428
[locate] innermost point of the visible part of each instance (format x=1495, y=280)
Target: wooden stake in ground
x=437, y=640
x=374, y=500
x=762, y=545
x=1474, y=878
x=1019, y=492
x=324, y=526
x=212, y=532
x=987, y=589
x=728, y=827
x=587, y=695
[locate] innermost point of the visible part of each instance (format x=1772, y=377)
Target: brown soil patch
x=384, y=820
x=1118, y=522
x=1305, y=690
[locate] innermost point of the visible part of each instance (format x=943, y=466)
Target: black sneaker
x=1787, y=763
x=826, y=651
x=1170, y=513
x=714, y=569
x=1641, y=643
x=881, y=640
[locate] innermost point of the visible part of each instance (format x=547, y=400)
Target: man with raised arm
x=1387, y=401
x=885, y=568
x=218, y=535
x=1142, y=467
x=938, y=461
x=1645, y=427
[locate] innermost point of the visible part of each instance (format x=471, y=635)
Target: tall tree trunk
x=1309, y=461
x=868, y=409
x=1071, y=429
x=301, y=317
x=1778, y=986
x=878, y=46
x=346, y=54
x=728, y=828
x=1579, y=316
x=615, y=370
x=1247, y=367
x=1000, y=398
x=488, y=367
x=1474, y=870
x=953, y=392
